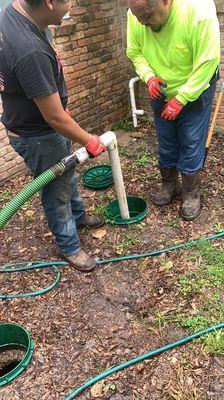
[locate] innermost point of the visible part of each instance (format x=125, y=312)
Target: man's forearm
x=65, y=125
x=52, y=111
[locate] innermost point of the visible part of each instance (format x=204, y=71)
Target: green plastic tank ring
x=14, y=336
x=137, y=210
x=98, y=177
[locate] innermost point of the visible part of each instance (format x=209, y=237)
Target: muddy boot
x=91, y=222
x=81, y=261
x=191, y=196
x=171, y=187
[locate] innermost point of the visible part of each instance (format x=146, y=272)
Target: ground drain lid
x=98, y=177
x=13, y=337
x=137, y=209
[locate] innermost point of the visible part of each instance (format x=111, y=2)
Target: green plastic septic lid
x=137, y=210
x=14, y=336
x=98, y=177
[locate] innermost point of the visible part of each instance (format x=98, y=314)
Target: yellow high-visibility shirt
x=185, y=53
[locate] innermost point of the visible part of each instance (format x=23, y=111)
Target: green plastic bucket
x=98, y=177
x=13, y=336
x=137, y=210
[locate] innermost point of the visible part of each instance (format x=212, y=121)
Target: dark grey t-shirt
x=29, y=67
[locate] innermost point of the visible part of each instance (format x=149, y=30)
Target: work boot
x=90, y=222
x=191, y=207
x=81, y=261
x=171, y=187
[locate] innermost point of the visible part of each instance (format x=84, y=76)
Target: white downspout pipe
x=110, y=141
x=134, y=110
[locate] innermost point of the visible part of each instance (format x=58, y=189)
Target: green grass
x=213, y=343
x=125, y=124
x=5, y=196
x=127, y=243
x=123, y=151
x=201, y=285
x=99, y=209
x=196, y=323
x=174, y=222
x=145, y=158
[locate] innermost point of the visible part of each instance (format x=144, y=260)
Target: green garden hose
x=25, y=266
x=141, y=358
x=7, y=268
x=161, y=251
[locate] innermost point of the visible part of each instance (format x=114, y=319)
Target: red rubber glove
x=155, y=88
x=172, y=109
x=95, y=146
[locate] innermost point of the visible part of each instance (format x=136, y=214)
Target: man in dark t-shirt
x=39, y=128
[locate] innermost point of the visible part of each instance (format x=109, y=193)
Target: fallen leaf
x=48, y=234
x=29, y=213
x=99, y=234
x=97, y=389
x=22, y=250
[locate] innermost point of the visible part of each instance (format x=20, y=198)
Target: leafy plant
x=196, y=323
x=218, y=227
x=123, y=151
x=123, y=125
x=6, y=195
x=143, y=160
x=173, y=222
x=214, y=343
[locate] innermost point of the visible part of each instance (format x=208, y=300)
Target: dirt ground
x=91, y=322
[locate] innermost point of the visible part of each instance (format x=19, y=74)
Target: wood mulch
x=91, y=322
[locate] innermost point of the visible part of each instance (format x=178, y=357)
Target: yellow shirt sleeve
x=205, y=41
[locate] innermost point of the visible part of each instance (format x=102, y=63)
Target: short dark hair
x=34, y=3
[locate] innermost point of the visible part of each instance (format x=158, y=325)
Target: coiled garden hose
x=141, y=358
x=27, y=266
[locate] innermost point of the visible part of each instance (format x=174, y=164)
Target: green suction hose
x=13, y=206
x=42, y=180
x=141, y=358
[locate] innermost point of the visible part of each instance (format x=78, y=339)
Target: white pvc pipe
x=134, y=110
x=110, y=141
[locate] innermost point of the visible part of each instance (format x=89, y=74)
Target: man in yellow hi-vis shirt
x=175, y=48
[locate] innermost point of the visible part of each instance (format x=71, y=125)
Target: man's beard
x=156, y=28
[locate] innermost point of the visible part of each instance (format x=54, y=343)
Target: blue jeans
x=182, y=141
x=62, y=204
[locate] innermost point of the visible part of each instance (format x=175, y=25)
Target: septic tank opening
x=137, y=210
x=9, y=359
x=17, y=347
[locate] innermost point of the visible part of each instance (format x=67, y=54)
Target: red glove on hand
x=172, y=109
x=95, y=146
x=155, y=86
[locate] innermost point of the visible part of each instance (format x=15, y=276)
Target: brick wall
x=91, y=45
x=10, y=162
